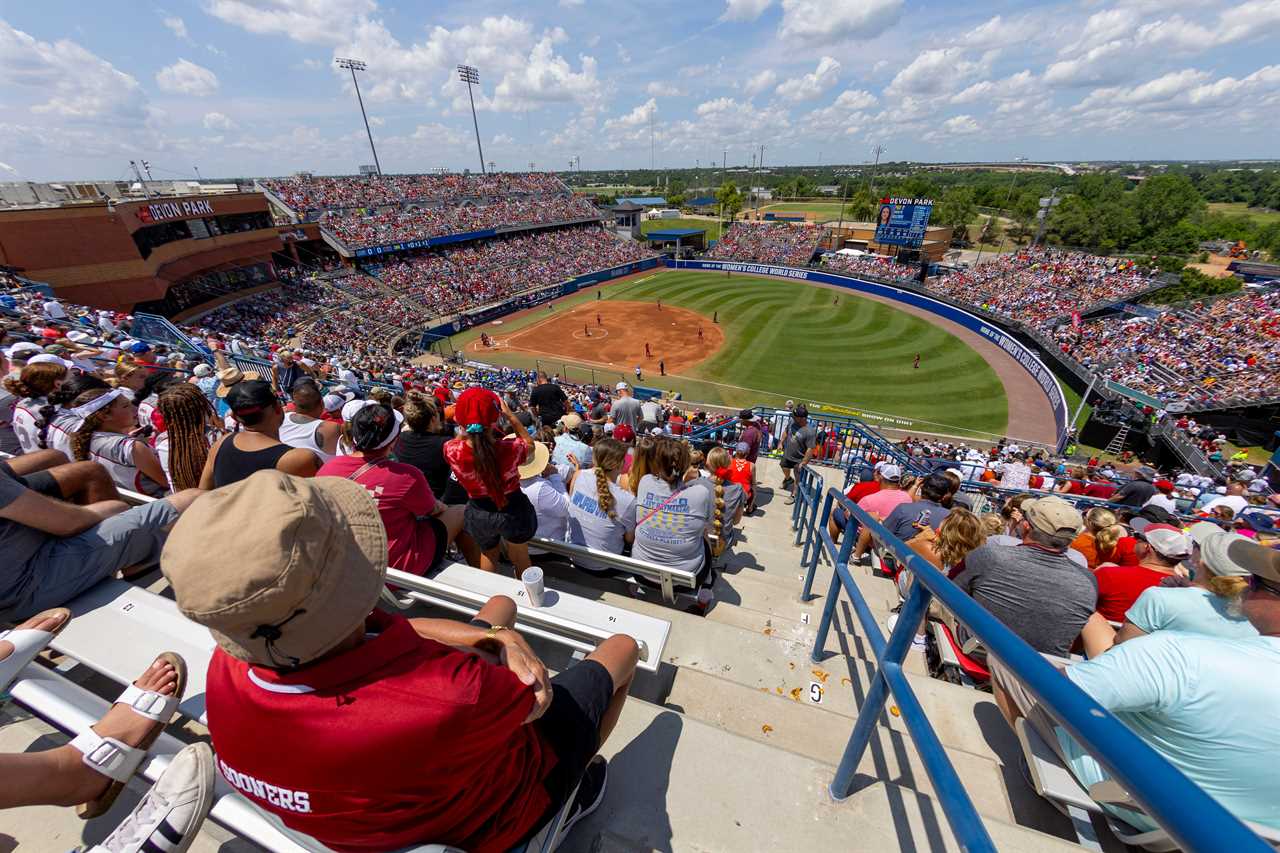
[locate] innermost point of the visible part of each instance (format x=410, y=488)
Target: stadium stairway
x=728, y=747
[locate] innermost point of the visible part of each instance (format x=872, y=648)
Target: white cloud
x=999, y=32
x=935, y=72
x=830, y=21
x=502, y=139
x=639, y=117
x=744, y=10
x=312, y=21
x=811, y=85
x=855, y=99
x=1015, y=86
x=662, y=87
x=67, y=80
x=436, y=133
x=187, y=78
x=545, y=78
x=961, y=125
x=760, y=82
x=178, y=26
x=217, y=121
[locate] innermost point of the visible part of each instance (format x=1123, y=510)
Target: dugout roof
x=674, y=233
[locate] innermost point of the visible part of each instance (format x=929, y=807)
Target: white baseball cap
x=49, y=358
x=621, y=386
x=20, y=347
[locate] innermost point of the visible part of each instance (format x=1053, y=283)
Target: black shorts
x=571, y=727
x=41, y=482
x=788, y=466
x=516, y=522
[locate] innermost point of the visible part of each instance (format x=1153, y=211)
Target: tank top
x=115, y=453
x=231, y=464
x=303, y=435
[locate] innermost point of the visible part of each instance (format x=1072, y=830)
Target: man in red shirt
x=365, y=730
x=1160, y=548
x=858, y=491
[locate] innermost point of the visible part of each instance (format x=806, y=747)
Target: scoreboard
x=902, y=221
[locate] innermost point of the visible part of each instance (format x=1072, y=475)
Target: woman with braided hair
x=33, y=413
x=602, y=514
x=190, y=429
x=64, y=423
x=109, y=421
x=728, y=500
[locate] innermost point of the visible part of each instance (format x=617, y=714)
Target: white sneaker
x=170, y=814
x=892, y=620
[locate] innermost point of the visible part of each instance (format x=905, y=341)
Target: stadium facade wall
x=1025, y=358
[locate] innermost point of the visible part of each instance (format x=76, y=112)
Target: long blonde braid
x=718, y=463
x=608, y=454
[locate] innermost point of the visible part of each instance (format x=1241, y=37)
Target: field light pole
x=470, y=75
x=354, y=65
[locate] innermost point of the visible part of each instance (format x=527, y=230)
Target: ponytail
x=485, y=460
x=718, y=459
x=603, y=496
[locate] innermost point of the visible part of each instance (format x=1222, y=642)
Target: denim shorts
x=65, y=567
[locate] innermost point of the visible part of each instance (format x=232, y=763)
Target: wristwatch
x=492, y=633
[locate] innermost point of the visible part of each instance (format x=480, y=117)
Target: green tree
x=1162, y=201
x=730, y=199
x=955, y=209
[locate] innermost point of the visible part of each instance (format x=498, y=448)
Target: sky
x=250, y=87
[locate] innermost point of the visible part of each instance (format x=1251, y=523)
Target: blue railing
x=1193, y=818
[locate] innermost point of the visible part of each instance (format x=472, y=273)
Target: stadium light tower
x=469, y=75
x=354, y=65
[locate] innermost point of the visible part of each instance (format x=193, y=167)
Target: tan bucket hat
x=229, y=376
x=308, y=563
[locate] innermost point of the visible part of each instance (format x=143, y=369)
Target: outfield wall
x=1027, y=359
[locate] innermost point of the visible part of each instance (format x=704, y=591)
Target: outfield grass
x=785, y=340
x=1259, y=215
x=712, y=226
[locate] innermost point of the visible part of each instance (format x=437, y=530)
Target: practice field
x=821, y=208
x=764, y=341
x=1260, y=215
x=711, y=226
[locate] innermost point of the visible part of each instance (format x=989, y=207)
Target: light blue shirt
x=1207, y=704
x=566, y=444
x=1190, y=609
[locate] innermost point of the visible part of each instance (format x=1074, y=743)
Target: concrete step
x=679, y=784
x=798, y=724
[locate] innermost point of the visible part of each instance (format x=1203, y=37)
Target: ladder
x=1117, y=441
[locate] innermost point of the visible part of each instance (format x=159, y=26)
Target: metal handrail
x=667, y=577
x=1191, y=817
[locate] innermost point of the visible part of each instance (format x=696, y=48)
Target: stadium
x=456, y=511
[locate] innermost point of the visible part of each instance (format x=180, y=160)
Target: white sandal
x=27, y=644
x=116, y=760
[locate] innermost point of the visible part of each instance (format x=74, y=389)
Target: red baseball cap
x=622, y=432
x=477, y=406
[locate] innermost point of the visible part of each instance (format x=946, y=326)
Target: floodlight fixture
x=354, y=65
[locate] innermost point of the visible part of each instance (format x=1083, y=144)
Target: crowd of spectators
x=767, y=243
x=360, y=229
x=455, y=279
x=312, y=193
x=881, y=266
x=1039, y=287
x=1217, y=354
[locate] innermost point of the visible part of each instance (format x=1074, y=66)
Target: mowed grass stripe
x=786, y=340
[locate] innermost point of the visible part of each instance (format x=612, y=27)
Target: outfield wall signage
x=1025, y=357
x=902, y=221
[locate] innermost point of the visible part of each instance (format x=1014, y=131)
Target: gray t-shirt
x=734, y=498
x=18, y=544
x=798, y=441
x=591, y=526
x=908, y=519
x=1041, y=596
x=626, y=411
x=670, y=524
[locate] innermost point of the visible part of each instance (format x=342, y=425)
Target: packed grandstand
x=268, y=422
